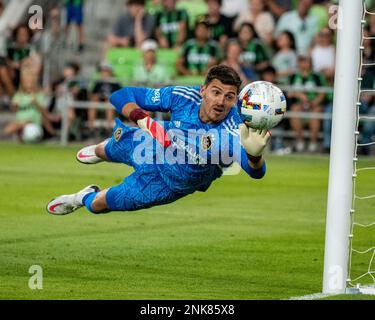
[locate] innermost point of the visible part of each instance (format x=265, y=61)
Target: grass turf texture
x=242, y=239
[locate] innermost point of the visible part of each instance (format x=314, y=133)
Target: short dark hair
x=139, y=2
x=220, y=2
x=73, y=65
x=268, y=69
x=224, y=74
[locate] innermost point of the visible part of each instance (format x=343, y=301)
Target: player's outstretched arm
x=254, y=142
x=131, y=103
x=146, y=123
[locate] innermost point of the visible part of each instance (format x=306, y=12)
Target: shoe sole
x=85, y=162
x=56, y=214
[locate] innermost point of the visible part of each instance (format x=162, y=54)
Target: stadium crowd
x=291, y=43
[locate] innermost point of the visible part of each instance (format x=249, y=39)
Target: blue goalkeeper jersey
x=199, y=151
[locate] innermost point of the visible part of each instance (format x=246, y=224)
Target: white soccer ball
x=32, y=133
x=262, y=105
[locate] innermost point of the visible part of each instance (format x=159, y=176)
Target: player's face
x=217, y=100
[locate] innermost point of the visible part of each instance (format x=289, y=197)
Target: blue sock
x=88, y=199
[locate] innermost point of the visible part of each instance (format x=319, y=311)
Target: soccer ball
x=262, y=105
x=32, y=133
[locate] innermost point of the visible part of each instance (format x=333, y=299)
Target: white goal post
x=340, y=188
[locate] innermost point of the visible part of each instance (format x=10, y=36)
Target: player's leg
x=14, y=127
x=314, y=129
x=143, y=189
x=297, y=126
x=119, y=148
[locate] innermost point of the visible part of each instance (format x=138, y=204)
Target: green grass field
x=242, y=239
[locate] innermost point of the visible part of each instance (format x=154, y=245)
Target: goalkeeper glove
x=151, y=126
x=254, y=141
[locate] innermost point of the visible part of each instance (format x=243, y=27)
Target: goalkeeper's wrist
x=137, y=114
x=254, y=159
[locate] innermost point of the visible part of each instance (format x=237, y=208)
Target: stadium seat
x=194, y=8
x=123, y=61
x=168, y=58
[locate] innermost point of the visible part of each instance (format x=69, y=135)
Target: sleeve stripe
x=230, y=130
x=186, y=96
x=193, y=92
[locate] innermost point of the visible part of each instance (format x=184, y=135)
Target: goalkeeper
x=220, y=138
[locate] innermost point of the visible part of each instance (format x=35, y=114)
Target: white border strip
x=313, y=296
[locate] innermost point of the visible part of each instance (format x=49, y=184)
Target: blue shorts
x=142, y=189
x=74, y=14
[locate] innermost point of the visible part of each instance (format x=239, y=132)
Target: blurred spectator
x=285, y=59
x=133, y=27
x=269, y=74
x=53, y=41
x=301, y=23
x=253, y=51
x=101, y=92
x=29, y=103
x=232, y=8
x=76, y=88
x=199, y=53
x=367, y=107
x=221, y=26
x=261, y=19
x=279, y=7
x=308, y=101
x=323, y=59
x=74, y=15
x=153, y=6
x=6, y=84
x=60, y=99
x=150, y=73
x=232, y=59
x=19, y=49
x=171, y=25
x=323, y=53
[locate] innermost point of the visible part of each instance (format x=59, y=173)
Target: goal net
x=361, y=262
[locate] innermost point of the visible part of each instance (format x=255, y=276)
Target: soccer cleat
x=87, y=155
x=66, y=204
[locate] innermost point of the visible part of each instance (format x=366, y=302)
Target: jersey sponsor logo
x=170, y=27
x=177, y=124
x=248, y=57
x=198, y=58
x=193, y=156
x=207, y=142
x=156, y=97
x=117, y=134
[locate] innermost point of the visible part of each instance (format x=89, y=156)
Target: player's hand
x=152, y=127
x=254, y=140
